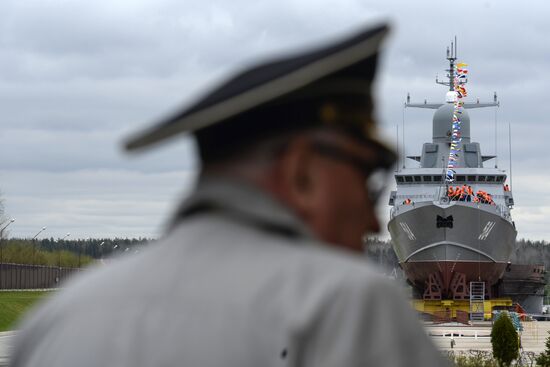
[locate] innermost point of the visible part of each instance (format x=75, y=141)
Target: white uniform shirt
x=236, y=282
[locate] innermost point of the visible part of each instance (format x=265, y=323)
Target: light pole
x=1, y=249
x=59, y=249
x=2, y=237
x=34, y=278
x=101, y=249
x=42, y=230
x=6, y=226
x=80, y=251
x=59, y=257
x=34, y=243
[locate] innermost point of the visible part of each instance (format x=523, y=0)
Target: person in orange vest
x=463, y=192
x=480, y=196
x=407, y=201
x=469, y=193
x=490, y=199
x=506, y=187
x=455, y=193
x=485, y=198
x=450, y=191
x=458, y=193
x=476, y=199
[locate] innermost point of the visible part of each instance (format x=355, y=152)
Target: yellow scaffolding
x=452, y=306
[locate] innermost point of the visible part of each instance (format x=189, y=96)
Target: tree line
x=65, y=253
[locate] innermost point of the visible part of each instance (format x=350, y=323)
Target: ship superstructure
x=449, y=234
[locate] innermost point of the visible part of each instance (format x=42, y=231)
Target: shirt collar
x=244, y=202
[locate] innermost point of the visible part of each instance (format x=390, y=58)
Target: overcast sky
x=77, y=77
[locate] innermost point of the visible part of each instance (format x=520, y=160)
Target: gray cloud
x=67, y=150
x=93, y=203
x=77, y=77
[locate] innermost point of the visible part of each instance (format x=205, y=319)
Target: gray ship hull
x=471, y=239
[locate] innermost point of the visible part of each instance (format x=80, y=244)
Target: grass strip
x=13, y=305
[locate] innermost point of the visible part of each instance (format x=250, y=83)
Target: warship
x=452, y=235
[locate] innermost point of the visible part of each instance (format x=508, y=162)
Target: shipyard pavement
x=478, y=336
x=6, y=343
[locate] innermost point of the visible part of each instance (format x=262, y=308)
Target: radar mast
x=452, y=57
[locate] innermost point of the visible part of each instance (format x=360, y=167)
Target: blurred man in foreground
x=262, y=265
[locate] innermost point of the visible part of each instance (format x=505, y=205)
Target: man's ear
x=298, y=171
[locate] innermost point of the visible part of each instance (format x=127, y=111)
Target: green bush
x=504, y=339
x=543, y=359
x=474, y=361
x=25, y=252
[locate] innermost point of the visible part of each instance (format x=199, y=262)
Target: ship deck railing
x=501, y=209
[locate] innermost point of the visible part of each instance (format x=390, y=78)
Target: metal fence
x=22, y=276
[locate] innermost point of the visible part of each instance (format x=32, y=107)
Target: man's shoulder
x=298, y=255
x=339, y=271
